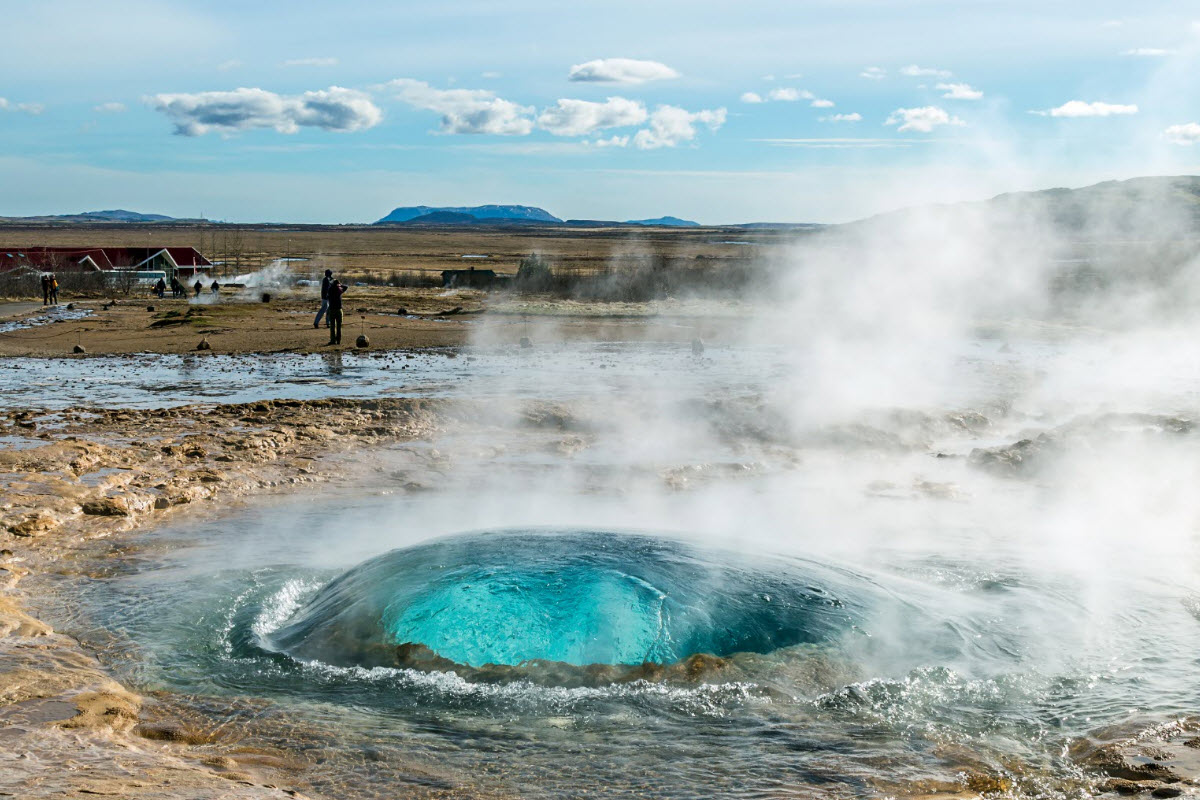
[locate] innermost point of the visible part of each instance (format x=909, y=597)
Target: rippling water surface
x=889, y=605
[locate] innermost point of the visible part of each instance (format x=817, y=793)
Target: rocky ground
x=71, y=477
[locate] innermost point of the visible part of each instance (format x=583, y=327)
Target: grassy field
x=383, y=251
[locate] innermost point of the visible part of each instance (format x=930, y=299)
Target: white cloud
x=332, y=109
x=671, y=125
x=232, y=63
x=788, y=95
x=612, y=141
x=922, y=120
x=853, y=117
x=752, y=97
x=1188, y=133
x=1149, y=52
x=959, y=91
x=466, y=110
x=822, y=103
x=311, y=62
x=873, y=73
x=620, y=70
x=582, y=117
x=110, y=108
x=913, y=71
x=27, y=108
x=1080, y=108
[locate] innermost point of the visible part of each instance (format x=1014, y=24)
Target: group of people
x=178, y=290
x=49, y=289
x=331, y=306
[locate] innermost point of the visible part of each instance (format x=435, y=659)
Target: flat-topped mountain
x=666, y=222
x=465, y=214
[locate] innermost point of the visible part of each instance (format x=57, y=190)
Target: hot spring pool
x=577, y=597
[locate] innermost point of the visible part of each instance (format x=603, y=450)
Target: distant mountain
x=113, y=215
x=489, y=213
x=121, y=215
x=667, y=222
x=1137, y=208
x=442, y=218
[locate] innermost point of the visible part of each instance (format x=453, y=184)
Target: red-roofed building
x=174, y=261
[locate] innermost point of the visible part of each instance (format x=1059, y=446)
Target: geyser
x=575, y=597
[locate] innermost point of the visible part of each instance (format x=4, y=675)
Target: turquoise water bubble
x=577, y=597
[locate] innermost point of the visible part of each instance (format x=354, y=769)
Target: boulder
x=106, y=507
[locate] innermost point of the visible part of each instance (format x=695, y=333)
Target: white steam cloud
x=852, y=117
x=1186, y=134
x=922, y=120
x=873, y=73
x=1081, y=108
x=332, y=109
x=1148, y=52
x=959, y=91
x=620, y=70
x=788, y=95
x=913, y=71
x=671, y=126
x=25, y=108
x=466, y=110
x=583, y=117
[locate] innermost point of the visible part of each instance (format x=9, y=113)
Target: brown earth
x=241, y=323
x=389, y=249
x=68, y=729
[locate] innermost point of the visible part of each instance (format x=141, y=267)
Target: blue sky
x=603, y=110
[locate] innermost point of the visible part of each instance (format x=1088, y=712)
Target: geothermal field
x=909, y=511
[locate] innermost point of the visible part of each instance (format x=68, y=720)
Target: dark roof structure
x=100, y=259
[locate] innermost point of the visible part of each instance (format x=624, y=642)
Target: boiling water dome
x=579, y=598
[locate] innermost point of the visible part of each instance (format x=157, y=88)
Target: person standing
x=45, y=289
x=198, y=287
x=160, y=288
x=53, y=290
x=336, y=290
x=325, y=282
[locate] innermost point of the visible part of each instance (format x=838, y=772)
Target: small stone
x=525, y=343
x=204, y=345
x=402, y=312
x=106, y=507
x=149, y=308
x=362, y=341
x=169, y=732
x=78, y=349
x=162, y=502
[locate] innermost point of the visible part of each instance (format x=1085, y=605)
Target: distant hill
x=668, y=222
x=113, y=215
x=1138, y=208
x=489, y=213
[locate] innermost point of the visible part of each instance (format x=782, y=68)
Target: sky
x=805, y=111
